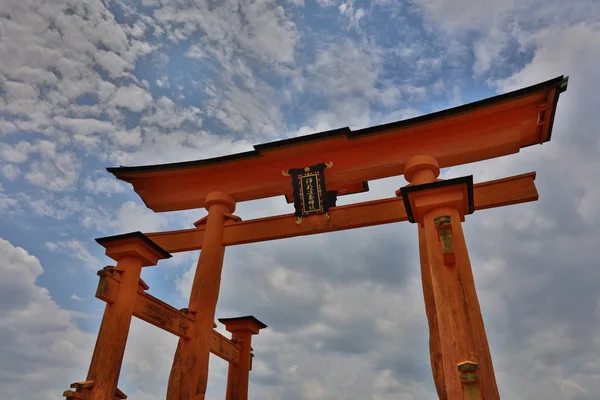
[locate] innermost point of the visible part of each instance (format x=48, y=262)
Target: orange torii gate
x=323, y=166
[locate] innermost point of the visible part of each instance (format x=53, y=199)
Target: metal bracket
x=443, y=225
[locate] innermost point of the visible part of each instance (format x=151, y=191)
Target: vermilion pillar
x=439, y=207
x=435, y=351
x=238, y=376
x=132, y=251
x=189, y=374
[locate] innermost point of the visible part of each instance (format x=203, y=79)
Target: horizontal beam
x=162, y=315
x=486, y=129
x=224, y=348
x=498, y=193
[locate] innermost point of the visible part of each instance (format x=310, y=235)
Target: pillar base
x=84, y=391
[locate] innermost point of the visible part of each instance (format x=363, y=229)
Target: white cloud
x=347, y=75
x=163, y=82
x=166, y=114
x=18, y=153
x=49, y=205
x=112, y=63
x=77, y=250
x=133, y=217
x=247, y=111
x=178, y=145
x=326, y=3
x=11, y=171
x=104, y=185
x=132, y=97
x=43, y=349
x=55, y=171
x=77, y=298
x=353, y=14
x=260, y=29
x=8, y=204
x=127, y=138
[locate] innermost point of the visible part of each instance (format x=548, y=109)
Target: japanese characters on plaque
x=310, y=193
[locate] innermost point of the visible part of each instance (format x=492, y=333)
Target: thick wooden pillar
x=189, y=375
x=439, y=207
x=132, y=252
x=435, y=351
x=238, y=376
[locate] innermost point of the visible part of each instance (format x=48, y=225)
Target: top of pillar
x=133, y=244
x=456, y=192
x=490, y=128
x=419, y=163
x=220, y=198
x=246, y=323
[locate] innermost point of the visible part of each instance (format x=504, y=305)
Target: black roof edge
x=135, y=235
x=462, y=108
x=184, y=164
x=560, y=82
x=463, y=180
x=561, y=88
x=303, y=139
x=246, y=317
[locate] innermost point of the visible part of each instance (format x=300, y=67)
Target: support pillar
x=435, y=351
x=238, y=375
x=132, y=251
x=189, y=375
x=439, y=207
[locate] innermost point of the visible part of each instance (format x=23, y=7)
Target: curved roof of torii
x=485, y=129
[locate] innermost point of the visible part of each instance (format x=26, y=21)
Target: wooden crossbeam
x=162, y=315
x=498, y=193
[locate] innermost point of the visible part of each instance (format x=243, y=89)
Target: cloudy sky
x=86, y=85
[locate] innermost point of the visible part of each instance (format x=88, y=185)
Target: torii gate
x=322, y=166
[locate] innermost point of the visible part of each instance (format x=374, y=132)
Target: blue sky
x=87, y=85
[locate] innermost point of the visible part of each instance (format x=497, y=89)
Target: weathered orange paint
x=189, y=374
x=421, y=169
x=131, y=254
x=417, y=148
x=162, y=315
x=435, y=350
x=502, y=192
x=459, y=321
x=238, y=375
x=491, y=129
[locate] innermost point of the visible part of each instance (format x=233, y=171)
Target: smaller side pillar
x=238, y=376
x=131, y=251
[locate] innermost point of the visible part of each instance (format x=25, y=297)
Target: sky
x=86, y=85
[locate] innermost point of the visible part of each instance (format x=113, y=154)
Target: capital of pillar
x=243, y=324
x=220, y=198
x=134, y=245
x=421, y=169
x=426, y=193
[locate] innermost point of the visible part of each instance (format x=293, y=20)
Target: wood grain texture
x=494, y=129
x=460, y=323
x=435, y=350
x=189, y=374
x=498, y=193
x=164, y=316
x=107, y=358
